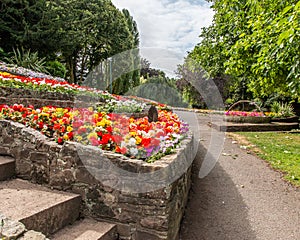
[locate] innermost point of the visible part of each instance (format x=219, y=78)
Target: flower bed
x=25, y=72
x=49, y=85
x=91, y=172
x=275, y=117
x=246, y=117
x=60, y=146
x=135, y=138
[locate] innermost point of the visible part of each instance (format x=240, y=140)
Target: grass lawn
x=281, y=150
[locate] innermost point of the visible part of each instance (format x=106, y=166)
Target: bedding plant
x=104, y=127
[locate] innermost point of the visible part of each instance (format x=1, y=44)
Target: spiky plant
x=28, y=59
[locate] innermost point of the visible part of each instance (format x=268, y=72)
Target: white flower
x=123, y=144
x=132, y=141
x=133, y=151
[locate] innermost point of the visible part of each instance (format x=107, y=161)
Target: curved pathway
x=241, y=198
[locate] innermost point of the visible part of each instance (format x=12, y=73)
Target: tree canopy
x=256, y=43
x=80, y=33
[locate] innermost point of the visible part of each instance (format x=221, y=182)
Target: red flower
x=56, y=127
x=100, y=134
x=117, y=139
x=160, y=134
x=146, y=142
x=109, y=129
x=155, y=142
x=41, y=124
x=70, y=135
x=60, y=140
x=105, y=139
x=63, y=129
x=122, y=150
x=94, y=141
x=81, y=130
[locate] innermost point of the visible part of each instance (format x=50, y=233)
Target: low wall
x=145, y=215
x=10, y=96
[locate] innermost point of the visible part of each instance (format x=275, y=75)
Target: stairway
x=87, y=229
x=47, y=211
x=7, y=167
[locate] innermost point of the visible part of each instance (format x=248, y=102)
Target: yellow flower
x=92, y=134
x=5, y=73
x=131, y=120
x=69, y=129
x=95, y=115
x=116, y=130
x=138, y=139
x=43, y=114
x=104, y=122
x=66, y=137
x=78, y=138
x=45, y=109
x=101, y=123
x=133, y=134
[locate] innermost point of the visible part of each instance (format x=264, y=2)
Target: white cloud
x=173, y=26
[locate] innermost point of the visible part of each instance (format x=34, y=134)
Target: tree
x=80, y=33
x=256, y=44
x=132, y=26
x=193, y=82
x=89, y=32
x=19, y=20
x=148, y=72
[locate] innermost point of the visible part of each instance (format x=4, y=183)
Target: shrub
x=57, y=69
x=282, y=109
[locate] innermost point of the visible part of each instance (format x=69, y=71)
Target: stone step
x=87, y=229
x=7, y=167
x=38, y=207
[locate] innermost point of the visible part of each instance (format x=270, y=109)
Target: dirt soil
x=241, y=199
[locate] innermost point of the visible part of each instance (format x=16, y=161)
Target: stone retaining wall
x=90, y=172
x=39, y=99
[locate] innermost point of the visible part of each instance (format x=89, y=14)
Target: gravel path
x=241, y=198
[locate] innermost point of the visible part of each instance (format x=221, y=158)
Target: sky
x=168, y=28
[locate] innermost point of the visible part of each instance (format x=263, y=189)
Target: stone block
x=10, y=229
x=143, y=234
x=33, y=235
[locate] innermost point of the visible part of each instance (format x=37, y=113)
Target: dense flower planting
x=244, y=114
x=44, y=84
x=135, y=138
x=24, y=71
x=123, y=106
x=113, y=103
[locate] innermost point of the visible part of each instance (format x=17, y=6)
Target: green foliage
x=255, y=42
x=198, y=89
x=132, y=26
x=89, y=32
x=282, y=110
x=148, y=72
x=275, y=107
x=3, y=54
x=55, y=68
x=27, y=59
x=159, y=89
x=79, y=33
x=19, y=21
